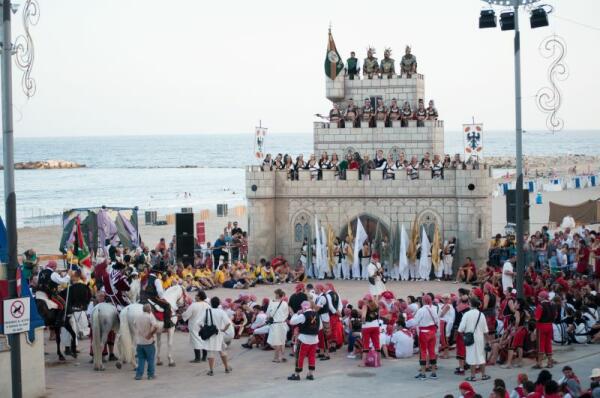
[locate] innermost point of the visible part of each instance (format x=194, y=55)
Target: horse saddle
x=42, y=296
x=155, y=306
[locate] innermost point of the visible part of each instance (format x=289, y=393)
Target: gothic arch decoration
x=348, y=150
x=301, y=227
x=428, y=219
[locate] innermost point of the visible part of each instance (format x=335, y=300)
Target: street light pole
x=10, y=202
x=519, y=158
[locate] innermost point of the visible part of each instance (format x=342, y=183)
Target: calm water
x=146, y=171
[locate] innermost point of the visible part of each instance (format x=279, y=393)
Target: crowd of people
x=391, y=166
x=486, y=325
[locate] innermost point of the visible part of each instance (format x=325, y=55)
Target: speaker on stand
x=184, y=237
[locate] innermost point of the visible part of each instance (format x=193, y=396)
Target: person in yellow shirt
x=168, y=280
x=221, y=275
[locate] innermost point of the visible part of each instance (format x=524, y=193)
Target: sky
x=116, y=67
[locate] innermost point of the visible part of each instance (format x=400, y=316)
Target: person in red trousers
x=427, y=322
x=544, y=316
x=309, y=324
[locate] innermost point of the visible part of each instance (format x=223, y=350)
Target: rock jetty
x=46, y=165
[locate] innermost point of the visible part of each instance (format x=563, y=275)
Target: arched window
x=298, y=232
x=428, y=220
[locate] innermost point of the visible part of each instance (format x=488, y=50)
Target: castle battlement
x=455, y=184
x=403, y=89
x=411, y=140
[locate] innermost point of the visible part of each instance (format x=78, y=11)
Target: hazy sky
x=194, y=66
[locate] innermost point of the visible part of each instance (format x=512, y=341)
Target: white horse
x=105, y=319
x=134, y=291
x=176, y=297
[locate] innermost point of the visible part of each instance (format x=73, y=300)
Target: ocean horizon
x=154, y=172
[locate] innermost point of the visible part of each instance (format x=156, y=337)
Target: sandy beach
x=46, y=239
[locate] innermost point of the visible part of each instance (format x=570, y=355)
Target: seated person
x=367, y=113
x=402, y=340
x=298, y=274
x=221, y=275
x=265, y=274
x=467, y=272
x=259, y=327
x=351, y=114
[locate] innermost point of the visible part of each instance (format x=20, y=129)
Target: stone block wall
x=403, y=89
x=456, y=207
x=411, y=140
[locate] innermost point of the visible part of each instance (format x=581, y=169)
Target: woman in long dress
x=215, y=344
x=277, y=314
x=192, y=315
x=473, y=321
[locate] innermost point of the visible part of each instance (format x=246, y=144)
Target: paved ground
x=254, y=375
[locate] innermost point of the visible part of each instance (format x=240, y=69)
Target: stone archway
x=376, y=229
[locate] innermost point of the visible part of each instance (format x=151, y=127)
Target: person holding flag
x=425, y=257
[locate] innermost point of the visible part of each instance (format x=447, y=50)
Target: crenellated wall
x=411, y=140
x=403, y=89
x=459, y=208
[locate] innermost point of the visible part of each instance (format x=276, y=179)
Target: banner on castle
x=259, y=142
x=333, y=61
x=473, y=134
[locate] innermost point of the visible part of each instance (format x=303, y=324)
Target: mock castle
x=282, y=211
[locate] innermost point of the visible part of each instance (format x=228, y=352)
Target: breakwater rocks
x=47, y=165
x=543, y=162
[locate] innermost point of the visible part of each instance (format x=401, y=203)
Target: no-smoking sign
x=16, y=315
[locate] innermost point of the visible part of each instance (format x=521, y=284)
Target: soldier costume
x=394, y=112
x=421, y=114
x=381, y=110
x=387, y=67
x=408, y=64
x=370, y=64
x=335, y=115
x=432, y=113
x=155, y=292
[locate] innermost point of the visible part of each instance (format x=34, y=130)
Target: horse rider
x=114, y=283
x=154, y=291
x=48, y=282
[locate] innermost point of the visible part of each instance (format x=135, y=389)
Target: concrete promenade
x=254, y=375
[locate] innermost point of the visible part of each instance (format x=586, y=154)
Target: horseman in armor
x=154, y=291
x=115, y=283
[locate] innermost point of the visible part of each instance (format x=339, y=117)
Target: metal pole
x=519, y=158
x=10, y=202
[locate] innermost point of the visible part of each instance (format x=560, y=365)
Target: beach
x=45, y=239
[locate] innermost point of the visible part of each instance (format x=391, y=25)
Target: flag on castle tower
x=333, y=61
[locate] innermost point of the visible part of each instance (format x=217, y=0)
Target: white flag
x=424, y=264
x=324, y=266
x=403, y=258
x=361, y=237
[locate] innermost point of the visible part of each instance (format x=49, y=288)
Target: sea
x=168, y=172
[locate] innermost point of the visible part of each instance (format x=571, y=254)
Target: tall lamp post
x=22, y=49
x=509, y=20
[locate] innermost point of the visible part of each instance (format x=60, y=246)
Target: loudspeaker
x=511, y=206
x=150, y=217
x=507, y=20
x=185, y=248
x=487, y=19
x=184, y=224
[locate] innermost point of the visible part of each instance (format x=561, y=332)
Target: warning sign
x=16, y=315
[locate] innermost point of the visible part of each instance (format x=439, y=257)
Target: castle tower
x=282, y=211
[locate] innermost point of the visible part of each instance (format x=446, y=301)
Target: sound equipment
x=185, y=248
x=511, y=206
x=184, y=224
x=150, y=217
x=187, y=210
